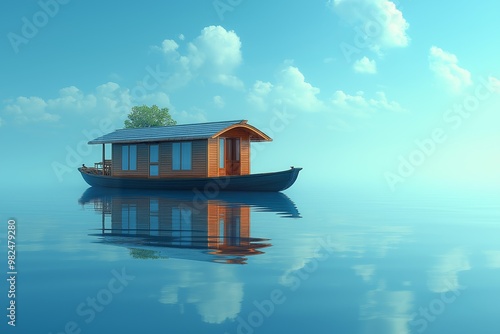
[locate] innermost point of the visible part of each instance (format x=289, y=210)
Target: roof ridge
x=178, y=125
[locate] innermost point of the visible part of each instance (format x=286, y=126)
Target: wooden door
x=232, y=156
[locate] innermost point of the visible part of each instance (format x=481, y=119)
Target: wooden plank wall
x=198, y=163
x=245, y=156
x=213, y=224
x=217, y=213
x=245, y=222
x=213, y=157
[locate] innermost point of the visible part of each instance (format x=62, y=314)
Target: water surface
x=91, y=261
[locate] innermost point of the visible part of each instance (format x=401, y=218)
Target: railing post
x=103, y=158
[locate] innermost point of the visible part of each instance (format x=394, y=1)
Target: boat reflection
x=184, y=225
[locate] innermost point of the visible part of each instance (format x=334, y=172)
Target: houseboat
x=211, y=156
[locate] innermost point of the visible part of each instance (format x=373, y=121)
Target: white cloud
x=291, y=90
x=169, y=45
x=160, y=99
x=294, y=92
x=30, y=109
x=219, y=47
x=215, y=54
x=71, y=99
x=181, y=37
x=258, y=95
x=380, y=21
x=219, y=101
x=445, y=67
x=360, y=105
x=108, y=89
x=108, y=100
x=365, y=65
x=193, y=115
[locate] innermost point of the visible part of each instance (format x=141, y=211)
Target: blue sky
x=380, y=93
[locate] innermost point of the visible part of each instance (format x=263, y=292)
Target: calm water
x=305, y=261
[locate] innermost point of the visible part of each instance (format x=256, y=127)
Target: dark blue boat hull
x=276, y=181
x=276, y=202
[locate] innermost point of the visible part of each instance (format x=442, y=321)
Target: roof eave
x=255, y=134
x=149, y=140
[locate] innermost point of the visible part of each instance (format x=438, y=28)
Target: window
x=230, y=231
x=153, y=153
x=153, y=160
x=221, y=230
x=237, y=149
x=221, y=153
x=129, y=157
x=129, y=219
x=153, y=170
x=154, y=228
x=182, y=221
x=181, y=156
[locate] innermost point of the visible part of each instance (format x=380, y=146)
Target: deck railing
x=105, y=167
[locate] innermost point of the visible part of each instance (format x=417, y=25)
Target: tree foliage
x=145, y=117
x=144, y=254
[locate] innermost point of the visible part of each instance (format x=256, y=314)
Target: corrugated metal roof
x=165, y=133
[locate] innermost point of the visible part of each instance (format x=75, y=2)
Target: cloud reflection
x=443, y=276
x=386, y=311
x=492, y=259
x=365, y=271
x=216, y=293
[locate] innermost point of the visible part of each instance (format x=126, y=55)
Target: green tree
x=145, y=117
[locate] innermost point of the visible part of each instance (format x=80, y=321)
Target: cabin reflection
x=158, y=224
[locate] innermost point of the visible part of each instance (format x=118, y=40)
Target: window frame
x=154, y=160
x=182, y=156
x=129, y=157
x=222, y=152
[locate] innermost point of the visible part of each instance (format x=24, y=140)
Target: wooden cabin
x=190, y=150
